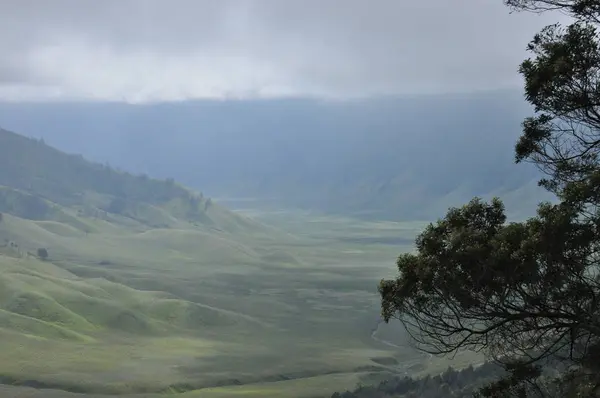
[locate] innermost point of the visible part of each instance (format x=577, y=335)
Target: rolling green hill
x=118, y=284
x=118, y=246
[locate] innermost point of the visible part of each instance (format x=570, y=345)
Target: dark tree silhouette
x=526, y=294
x=42, y=253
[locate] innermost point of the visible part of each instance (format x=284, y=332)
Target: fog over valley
x=386, y=157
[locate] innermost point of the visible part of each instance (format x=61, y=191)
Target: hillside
x=39, y=182
x=91, y=257
x=389, y=158
x=118, y=284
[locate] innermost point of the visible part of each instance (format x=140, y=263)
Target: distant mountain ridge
x=390, y=158
x=39, y=182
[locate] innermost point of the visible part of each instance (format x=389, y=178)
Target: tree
x=117, y=205
x=42, y=253
x=1, y=217
x=207, y=204
x=525, y=294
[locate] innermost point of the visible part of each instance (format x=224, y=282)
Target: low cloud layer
x=156, y=50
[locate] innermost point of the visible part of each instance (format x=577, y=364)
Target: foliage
x=450, y=383
x=526, y=294
x=42, y=253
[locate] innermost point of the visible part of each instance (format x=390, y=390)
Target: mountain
x=39, y=182
x=390, y=158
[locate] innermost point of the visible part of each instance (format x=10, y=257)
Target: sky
x=170, y=50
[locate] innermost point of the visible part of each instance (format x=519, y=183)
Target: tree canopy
x=526, y=294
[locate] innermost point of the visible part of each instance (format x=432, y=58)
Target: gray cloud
x=139, y=50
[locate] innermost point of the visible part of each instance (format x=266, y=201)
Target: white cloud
x=148, y=50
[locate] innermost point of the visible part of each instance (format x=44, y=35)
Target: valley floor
x=288, y=312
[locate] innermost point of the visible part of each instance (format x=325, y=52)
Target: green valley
x=112, y=283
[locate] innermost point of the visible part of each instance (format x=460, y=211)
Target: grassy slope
x=152, y=288
x=184, y=310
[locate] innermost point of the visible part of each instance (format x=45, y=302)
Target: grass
x=232, y=309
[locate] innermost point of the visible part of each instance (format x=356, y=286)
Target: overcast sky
x=140, y=50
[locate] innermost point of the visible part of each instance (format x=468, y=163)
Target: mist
x=392, y=157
